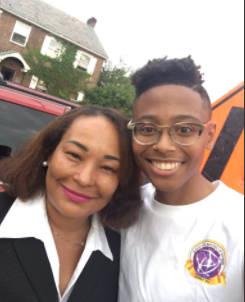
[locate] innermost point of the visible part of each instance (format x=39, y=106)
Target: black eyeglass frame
x=131, y=126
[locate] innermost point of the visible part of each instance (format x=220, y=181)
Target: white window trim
x=33, y=83
x=27, y=37
x=78, y=56
x=46, y=46
x=91, y=65
x=80, y=97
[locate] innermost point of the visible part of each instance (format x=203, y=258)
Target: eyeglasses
x=184, y=134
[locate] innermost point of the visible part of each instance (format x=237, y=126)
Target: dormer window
x=20, y=33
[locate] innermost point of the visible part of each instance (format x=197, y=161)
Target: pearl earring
x=45, y=164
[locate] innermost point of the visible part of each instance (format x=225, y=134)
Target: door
x=8, y=73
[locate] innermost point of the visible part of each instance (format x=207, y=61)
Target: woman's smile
x=76, y=196
x=83, y=171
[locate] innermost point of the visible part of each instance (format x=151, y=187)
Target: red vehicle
x=24, y=112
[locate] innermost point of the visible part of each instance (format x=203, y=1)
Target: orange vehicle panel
x=226, y=160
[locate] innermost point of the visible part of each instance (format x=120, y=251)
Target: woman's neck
x=196, y=189
x=75, y=228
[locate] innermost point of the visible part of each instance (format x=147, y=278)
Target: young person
x=188, y=243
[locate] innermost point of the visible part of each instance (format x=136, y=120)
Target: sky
x=211, y=31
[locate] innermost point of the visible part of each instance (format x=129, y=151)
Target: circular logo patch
x=207, y=262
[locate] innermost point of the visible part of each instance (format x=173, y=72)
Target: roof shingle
x=57, y=21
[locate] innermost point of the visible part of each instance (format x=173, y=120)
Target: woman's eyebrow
x=111, y=157
x=79, y=145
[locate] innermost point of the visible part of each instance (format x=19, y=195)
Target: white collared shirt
x=30, y=220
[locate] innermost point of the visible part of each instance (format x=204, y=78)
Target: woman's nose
x=85, y=175
x=165, y=143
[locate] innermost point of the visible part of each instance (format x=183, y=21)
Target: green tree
x=58, y=74
x=113, y=89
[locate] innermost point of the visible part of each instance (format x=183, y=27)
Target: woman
x=53, y=246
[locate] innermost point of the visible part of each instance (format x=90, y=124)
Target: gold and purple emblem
x=207, y=262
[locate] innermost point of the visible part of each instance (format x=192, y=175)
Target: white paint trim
x=34, y=81
x=46, y=44
x=19, y=24
x=78, y=57
x=60, y=36
x=80, y=97
x=91, y=65
x=17, y=56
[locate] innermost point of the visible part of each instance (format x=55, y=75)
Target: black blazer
x=26, y=275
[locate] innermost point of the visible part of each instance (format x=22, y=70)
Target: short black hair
x=164, y=71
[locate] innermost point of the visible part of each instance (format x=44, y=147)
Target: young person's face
x=83, y=171
x=167, y=105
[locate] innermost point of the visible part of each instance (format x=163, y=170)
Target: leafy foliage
x=59, y=75
x=113, y=89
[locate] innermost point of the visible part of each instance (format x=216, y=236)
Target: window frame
x=82, y=63
x=92, y=62
x=46, y=46
x=80, y=96
x=18, y=23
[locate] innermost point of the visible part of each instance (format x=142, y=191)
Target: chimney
x=92, y=22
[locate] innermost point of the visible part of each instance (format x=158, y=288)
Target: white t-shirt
x=192, y=253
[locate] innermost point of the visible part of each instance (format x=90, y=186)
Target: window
x=51, y=47
x=20, y=33
x=18, y=123
x=33, y=83
x=85, y=62
x=54, y=49
x=37, y=84
x=80, y=96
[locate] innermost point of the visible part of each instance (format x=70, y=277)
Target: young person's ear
x=211, y=136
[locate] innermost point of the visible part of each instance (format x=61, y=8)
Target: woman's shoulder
x=6, y=202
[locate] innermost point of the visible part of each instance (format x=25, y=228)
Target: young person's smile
x=167, y=164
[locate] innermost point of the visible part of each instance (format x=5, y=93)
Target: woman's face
x=83, y=171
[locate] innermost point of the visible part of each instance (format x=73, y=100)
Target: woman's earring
x=45, y=164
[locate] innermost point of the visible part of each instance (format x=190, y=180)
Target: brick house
x=38, y=23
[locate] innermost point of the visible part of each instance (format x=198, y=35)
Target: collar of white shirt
x=29, y=219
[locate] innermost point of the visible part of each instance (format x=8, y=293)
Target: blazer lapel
x=88, y=278
x=34, y=260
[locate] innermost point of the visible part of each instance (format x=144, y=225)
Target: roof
x=7, y=52
x=57, y=22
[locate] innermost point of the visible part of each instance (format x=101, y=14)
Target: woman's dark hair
x=183, y=72
x=26, y=176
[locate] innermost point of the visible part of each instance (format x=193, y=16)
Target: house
x=37, y=23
